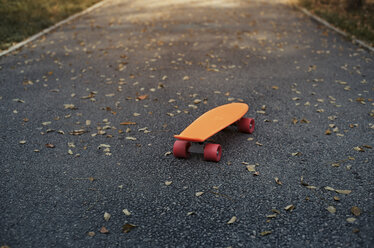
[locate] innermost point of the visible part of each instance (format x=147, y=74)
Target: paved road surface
x=66, y=159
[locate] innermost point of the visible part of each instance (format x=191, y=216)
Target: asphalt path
x=89, y=111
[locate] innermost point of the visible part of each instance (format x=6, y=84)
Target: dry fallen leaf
x=50, y=146
x=355, y=211
x=264, y=233
x=199, y=193
x=271, y=216
x=107, y=216
x=128, y=123
x=331, y=209
x=359, y=149
x=22, y=142
x=167, y=183
x=289, y=207
x=277, y=181
x=351, y=220
x=342, y=191
x=69, y=106
x=142, y=97
x=103, y=230
x=126, y=212
x=232, y=220
x=329, y=188
x=91, y=234
x=251, y=167
x=78, y=132
x=328, y=132
x=296, y=154
x=127, y=227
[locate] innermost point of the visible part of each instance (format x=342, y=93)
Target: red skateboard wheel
x=212, y=152
x=180, y=149
x=246, y=125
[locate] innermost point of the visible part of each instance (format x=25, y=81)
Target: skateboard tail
x=189, y=138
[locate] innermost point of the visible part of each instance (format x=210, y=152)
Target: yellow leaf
x=264, y=233
x=344, y=192
x=289, y=207
x=329, y=188
x=232, y=220
x=331, y=209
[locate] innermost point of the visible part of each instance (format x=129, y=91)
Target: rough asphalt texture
x=310, y=92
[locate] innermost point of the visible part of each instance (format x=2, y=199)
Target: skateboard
x=209, y=124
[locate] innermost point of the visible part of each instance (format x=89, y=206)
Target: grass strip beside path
x=357, y=22
x=23, y=18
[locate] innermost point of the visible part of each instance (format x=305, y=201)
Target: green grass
x=358, y=23
x=20, y=19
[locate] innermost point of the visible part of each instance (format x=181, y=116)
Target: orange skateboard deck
x=209, y=124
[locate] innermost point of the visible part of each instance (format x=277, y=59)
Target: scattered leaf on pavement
x=331, y=209
x=355, y=211
x=264, y=233
x=232, y=220
x=127, y=227
x=104, y=230
x=107, y=216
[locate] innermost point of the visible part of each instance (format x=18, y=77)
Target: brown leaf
x=128, y=123
x=305, y=121
x=355, y=211
x=359, y=149
x=264, y=233
x=142, y=97
x=127, y=227
x=91, y=234
x=277, y=181
x=103, y=230
x=78, y=132
x=50, y=145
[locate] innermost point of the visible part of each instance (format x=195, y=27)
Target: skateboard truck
x=209, y=124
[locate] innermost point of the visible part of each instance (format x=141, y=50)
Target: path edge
x=51, y=28
x=330, y=26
